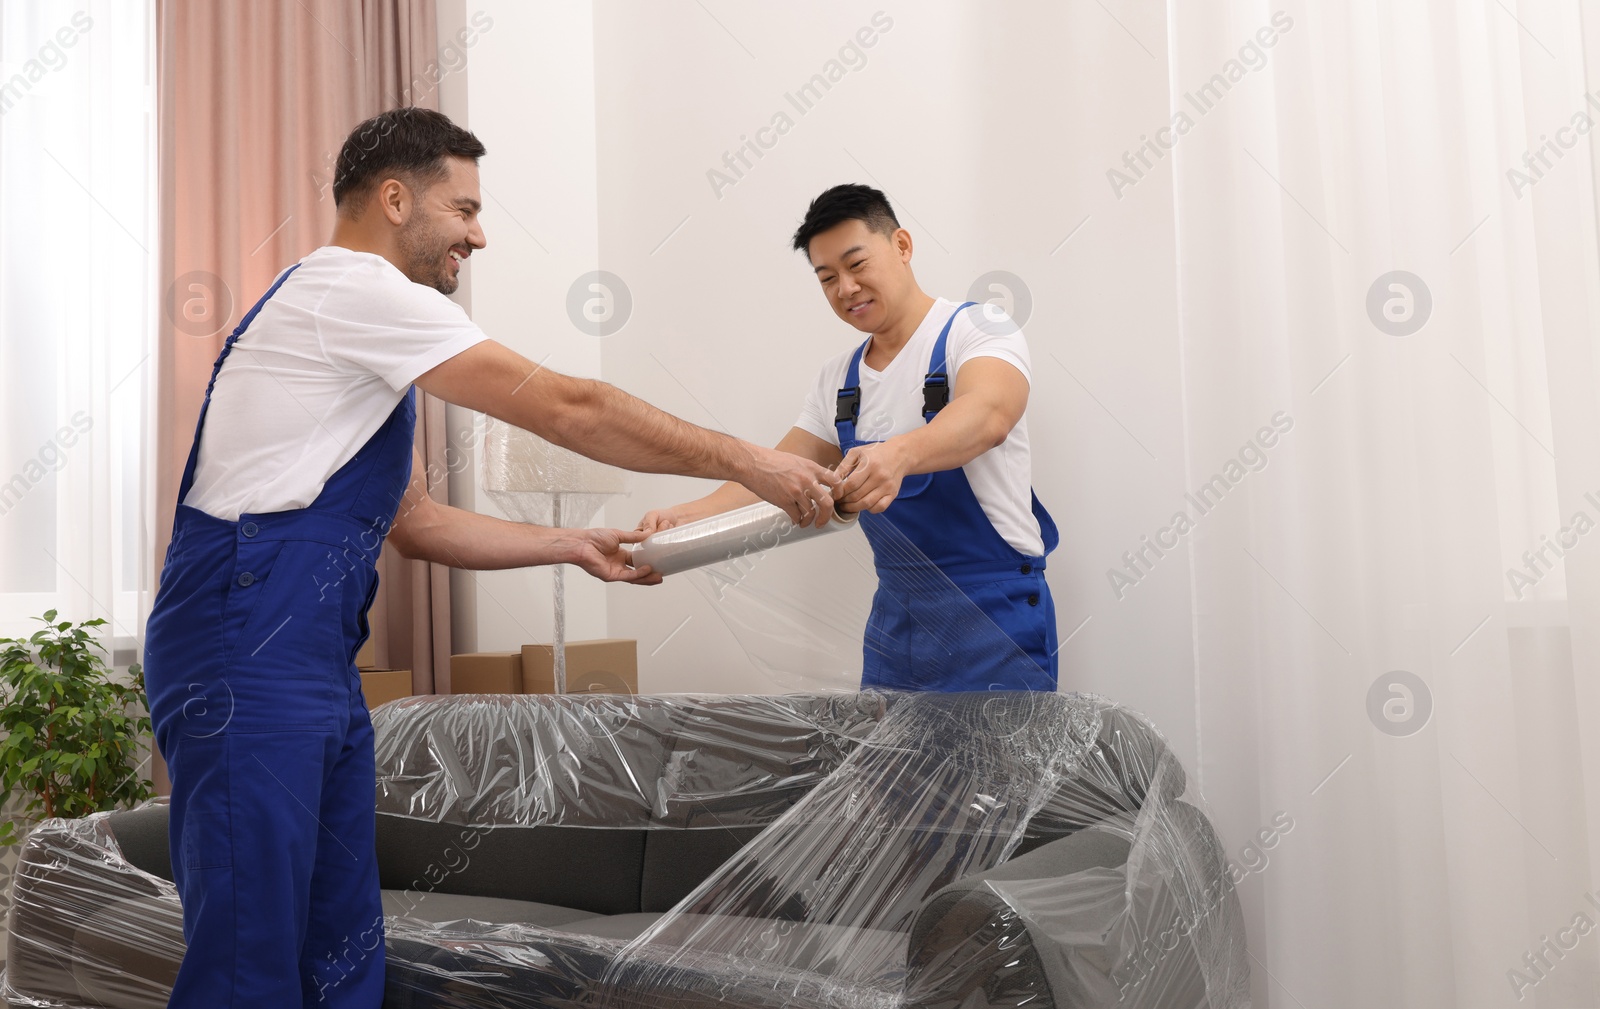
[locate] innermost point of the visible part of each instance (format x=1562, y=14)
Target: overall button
x=1027, y=569
x=249, y=528
x=1033, y=600
x=247, y=579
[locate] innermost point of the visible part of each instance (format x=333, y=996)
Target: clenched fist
x=802, y=488
x=870, y=476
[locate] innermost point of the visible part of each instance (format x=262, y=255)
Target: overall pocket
x=282, y=616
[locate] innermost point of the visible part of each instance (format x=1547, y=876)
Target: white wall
x=530, y=99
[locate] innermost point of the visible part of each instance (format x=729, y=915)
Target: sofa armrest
x=79, y=911
x=978, y=933
x=1070, y=924
x=969, y=949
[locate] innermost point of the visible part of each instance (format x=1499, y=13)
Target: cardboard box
x=381, y=685
x=486, y=673
x=603, y=666
x=367, y=657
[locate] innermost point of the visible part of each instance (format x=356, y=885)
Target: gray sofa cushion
x=612, y=926
x=591, y=869
x=446, y=907
x=677, y=861
x=694, y=934
x=611, y=760
x=621, y=871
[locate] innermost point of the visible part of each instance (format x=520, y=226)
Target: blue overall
x=957, y=607
x=257, y=706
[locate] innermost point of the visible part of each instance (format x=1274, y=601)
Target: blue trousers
x=270, y=750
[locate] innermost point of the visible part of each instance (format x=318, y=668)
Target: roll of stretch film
x=723, y=537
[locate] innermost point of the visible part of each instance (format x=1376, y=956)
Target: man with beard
x=302, y=463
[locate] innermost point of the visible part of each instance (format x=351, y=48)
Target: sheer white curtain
x=76, y=312
x=1374, y=653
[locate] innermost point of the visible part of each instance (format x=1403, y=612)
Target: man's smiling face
x=865, y=274
x=442, y=229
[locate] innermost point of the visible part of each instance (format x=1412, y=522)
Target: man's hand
x=796, y=443
x=870, y=476
x=600, y=552
x=661, y=518
x=803, y=488
x=986, y=403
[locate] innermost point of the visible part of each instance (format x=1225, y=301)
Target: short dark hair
x=409, y=142
x=849, y=202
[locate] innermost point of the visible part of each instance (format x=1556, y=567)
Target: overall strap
x=849, y=401
x=936, y=386
x=194, y=450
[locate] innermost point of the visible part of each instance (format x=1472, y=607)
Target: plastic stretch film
x=725, y=537
x=802, y=618
x=936, y=851
x=532, y=480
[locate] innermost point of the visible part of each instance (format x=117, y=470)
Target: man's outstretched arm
x=424, y=529
x=730, y=495
x=606, y=424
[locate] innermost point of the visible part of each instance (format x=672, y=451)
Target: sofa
x=863, y=849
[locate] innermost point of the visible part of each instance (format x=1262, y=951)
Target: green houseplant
x=73, y=733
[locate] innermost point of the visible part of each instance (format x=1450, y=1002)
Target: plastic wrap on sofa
x=82, y=916
x=887, y=883
x=920, y=851
x=944, y=791
x=612, y=760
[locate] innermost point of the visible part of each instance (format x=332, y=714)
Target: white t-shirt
x=891, y=404
x=317, y=373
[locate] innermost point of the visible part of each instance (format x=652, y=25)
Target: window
x=77, y=266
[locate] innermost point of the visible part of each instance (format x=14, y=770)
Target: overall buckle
x=935, y=394
x=849, y=405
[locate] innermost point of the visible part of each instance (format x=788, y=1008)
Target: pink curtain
x=255, y=100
